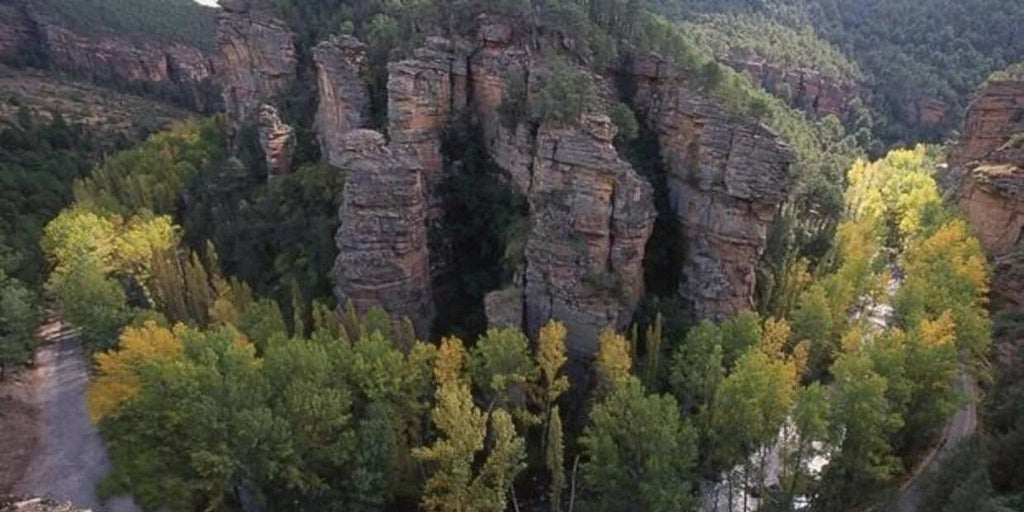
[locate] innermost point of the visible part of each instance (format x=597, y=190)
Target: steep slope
x=160, y=50
x=922, y=59
x=989, y=158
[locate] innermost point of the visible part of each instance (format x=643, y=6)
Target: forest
x=213, y=392
x=908, y=50
x=225, y=377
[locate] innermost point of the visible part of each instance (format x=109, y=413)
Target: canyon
x=591, y=214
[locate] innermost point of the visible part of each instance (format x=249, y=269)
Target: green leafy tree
x=501, y=365
x=19, y=317
x=638, y=452
x=862, y=420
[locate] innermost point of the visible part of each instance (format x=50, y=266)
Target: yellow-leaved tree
x=117, y=371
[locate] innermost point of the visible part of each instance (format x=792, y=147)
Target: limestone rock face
x=344, y=99
x=277, y=140
x=423, y=94
x=727, y=177
x=989, y=161
x=591, y=217
x=995, y=115
x=383, y=259
x=809, y=89
x=257, y=57
x=504, y=308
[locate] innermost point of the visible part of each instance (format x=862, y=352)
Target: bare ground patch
x=19, y=427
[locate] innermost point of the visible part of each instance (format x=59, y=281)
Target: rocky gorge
x=591, y=213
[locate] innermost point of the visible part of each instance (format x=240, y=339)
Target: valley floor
x=70, y=459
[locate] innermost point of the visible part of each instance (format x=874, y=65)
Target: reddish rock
x=424, y=92
x=344, y=97
x=728, y=176
x=383, y=258
x=989, y=162
x=808, y=89
x=277, y=140
x=257, y=57
x=995, y=115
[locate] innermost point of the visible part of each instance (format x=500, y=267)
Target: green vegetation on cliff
x=307, y=409
x=170, y=21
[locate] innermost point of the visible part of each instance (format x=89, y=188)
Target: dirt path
x=18, y=417
x=70, y=459
x=963, y=423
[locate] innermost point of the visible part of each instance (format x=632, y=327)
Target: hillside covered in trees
x=921, y=60
x=565, y=255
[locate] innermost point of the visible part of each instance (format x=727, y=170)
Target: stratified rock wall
x=988, y=162
x=257, y=57
x=727, y=178
x=344, y=98
x=995, y=115
x=591, y=218
x=383, y=259
x=30, y=38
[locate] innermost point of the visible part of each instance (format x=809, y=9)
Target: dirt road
x=963, y=423
x=70, y=459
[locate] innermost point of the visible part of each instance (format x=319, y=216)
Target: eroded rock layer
x=727, y=177
x=258, y=57
x=988, y=161
x=344, y=98
x=591, y=217
x=383, y=259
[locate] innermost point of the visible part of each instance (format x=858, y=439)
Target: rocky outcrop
x=806, y=89
x=16, y=31
x=277, y=140
x=727, y=177
x=176, y=71
x=922, y=111
x=591, y=218
x=995, y=115
x=591, y=213
x=383, y=259
x=423, y=94
x=257, y=56
x=989, y=162
x=504, y=308
x=344, y=99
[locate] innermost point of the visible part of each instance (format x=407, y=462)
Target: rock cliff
x=383, y=259
x=344, y=99
x=807, y=89
x=591, y=217
x=175, y=71
x=989, y=163
x=727, y=178
x=258, y=57
x=590, y=213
